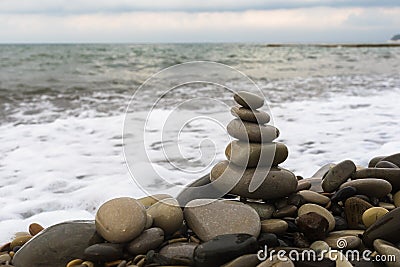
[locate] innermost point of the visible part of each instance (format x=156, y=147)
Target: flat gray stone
x=245, y=114
x=252, y=132
x=248, y=100
x=210, y=219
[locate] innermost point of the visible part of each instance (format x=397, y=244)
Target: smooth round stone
x=167, y=215
x=153, y=199
x=209, y=219
x=319, y=246
x=264, y=210
x=252, y=132
x=313, y=225
x=150, y=239
x=224, y=248
x=248, y=100
x=389, y=250
x=306, y=208
x=303, y=184
x=343, y=242
x=337, y=175
x=386, y=228
x=275, y=226
x=277, y=182
x=389, y=174
x=288, y=211
x=372, y=163
x=103, y=252
x=395, y=159
x=314, y=197
x=385, y=164
x=121, y=220
x=181, y=251
x=255, y=154
x=354, y=208
x=396, y=199
x=344, y=193
x=370, y=186
x=276, y=261
x=249, y=260
x=371, y=215
x=57, y=245
x=250, y=115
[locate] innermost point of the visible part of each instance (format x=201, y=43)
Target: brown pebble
x=20, y=241
x=35, y=228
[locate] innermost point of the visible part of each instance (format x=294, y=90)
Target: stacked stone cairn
x=341, y=208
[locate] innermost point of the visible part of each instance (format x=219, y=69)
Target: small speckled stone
x=370, y=186
x=306, y=208
x=210, y=218
x=338, y=175
x=121, y=219
x=246, y=114
x=371, y=215
x=248, y=100
x=275, y=226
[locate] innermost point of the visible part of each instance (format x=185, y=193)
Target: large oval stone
x=370, y=186
x=252, y=132
x=251, y=115
x=167, y=215
x=254, y=154
x=224, y=248
x=389, y=174
x=120, y=220
x=208, y=218
x=386, y=228
x=248, y=100
x=337, y=175
x=277, y=182
x=57, y=245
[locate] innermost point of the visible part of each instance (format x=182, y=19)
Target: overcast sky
x=275, y=21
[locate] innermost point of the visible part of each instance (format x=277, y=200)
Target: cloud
x=319, y=24
x=65, y=7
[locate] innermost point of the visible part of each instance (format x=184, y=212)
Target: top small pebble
x=248, y=100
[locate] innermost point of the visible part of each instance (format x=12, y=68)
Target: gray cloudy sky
x=198, y=20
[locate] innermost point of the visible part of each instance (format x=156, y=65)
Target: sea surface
x=62, y=113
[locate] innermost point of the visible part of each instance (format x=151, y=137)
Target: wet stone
x=224, y=248
x=344, y=193
x=268, y=239
x=370, y=186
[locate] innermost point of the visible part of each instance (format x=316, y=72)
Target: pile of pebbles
x=342, y=202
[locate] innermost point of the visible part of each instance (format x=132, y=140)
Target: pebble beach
x=344, y=206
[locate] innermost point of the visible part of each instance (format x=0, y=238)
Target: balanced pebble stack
x=341, y=207
x=254, y=156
